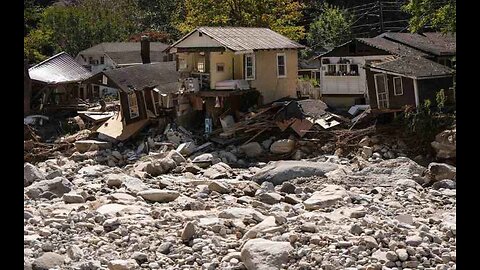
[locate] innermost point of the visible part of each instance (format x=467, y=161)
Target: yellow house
x=230, y=58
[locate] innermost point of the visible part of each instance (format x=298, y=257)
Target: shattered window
x=133, y=105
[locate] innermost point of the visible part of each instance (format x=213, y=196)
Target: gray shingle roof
x=247, y=38
x=127, y=52
x=60, y=68
x=434, y=43
x=162, y=75
x=416, y=67
x=391, y=47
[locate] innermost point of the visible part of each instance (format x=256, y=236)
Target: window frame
x=395, y=86
x=182, y=64
x=130, y=106
x=252, y=56
x=220, y=65
x=284, y=65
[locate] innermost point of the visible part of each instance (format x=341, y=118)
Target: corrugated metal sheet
x=247, y=38
x=60, y=68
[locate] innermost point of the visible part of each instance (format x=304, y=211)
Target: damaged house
x=147, y=91
x=111, y=55
x=229, y=58
x=55, y=84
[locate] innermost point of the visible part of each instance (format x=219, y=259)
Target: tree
x=280, y=16
x=74, y=28
x=330, y=29
x=158, y=15
x=32, y=14
x=441, y=15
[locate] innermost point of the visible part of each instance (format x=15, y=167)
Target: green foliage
x=330, y=29
x=157, y=15
x=441, y=98
x=440, y=15
x=39, y=45
x=32, y=14
x=281, y=16
x=74, y=28
x=311, y=80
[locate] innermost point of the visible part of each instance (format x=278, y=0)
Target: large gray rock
x=57, y=186
x=73, y=198
x=261, y=254
x=279, y=171
x=440, y=171
x=284, y=146
x=133, y=184
x=445, y=144
x=47, y=261
x=203, y=160
x=326, y=197
x=253, y=149
x=267, y=223
x=161, y=166
x=122, y=264
x=176, y=156
x=159, y=195
x=219, y=170
x=83, y=146
x=31, y=174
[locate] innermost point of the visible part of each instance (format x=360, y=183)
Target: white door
x=382, y=90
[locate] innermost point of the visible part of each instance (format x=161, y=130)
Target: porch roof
x=413, y=67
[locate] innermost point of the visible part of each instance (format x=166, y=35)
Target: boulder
x=122, y=264
x=445, y=183
x=187, y=148
x=188, y=232
x=176, y=156
x=133, y=184
x=57, y=186
x=261, y=254
x=326, y=197
x=83, y=146
x=159, y=195
x=203, y=160
x=284, y=146
x=267, y=223
x=219, y=170
x=73, y=198
x=278, y=172
x=31, y=174
x=160, y=166
x=219, y=187
x=440, y=171
x=47, y=261
x=445, y=144
x=270, y=197
x=252, y=149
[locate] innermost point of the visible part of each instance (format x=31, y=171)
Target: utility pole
x=380, y=9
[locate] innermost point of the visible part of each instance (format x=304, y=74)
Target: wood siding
x=125, y=108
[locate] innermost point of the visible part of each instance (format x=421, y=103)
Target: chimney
x=145, y=49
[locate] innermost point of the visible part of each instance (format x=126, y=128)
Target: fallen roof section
x=162, y=76
x=413, y=67
x=58, y=69
x=246, y=38
x=114, y=129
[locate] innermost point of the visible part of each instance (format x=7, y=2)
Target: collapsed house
x=146, y=92
x=230, y=58
x=56, y=84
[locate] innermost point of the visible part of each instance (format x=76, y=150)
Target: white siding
x=346, y=84
x=195, y=41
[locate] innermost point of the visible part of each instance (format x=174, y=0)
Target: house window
x=90, y=60
x=133, y=105
x=102, y=60
x=220, y=67
x=281, y=65
x=397, y=86
x=343, y=69
x=182, y=64
x=201, y=64
x=250, y=67
x=331, y=69
x=353, y=70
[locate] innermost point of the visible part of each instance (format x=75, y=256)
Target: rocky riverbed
x=170, y=212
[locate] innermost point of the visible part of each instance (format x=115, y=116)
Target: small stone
x=139, y=257
x=355, y=229
x=402, y=254
x=73, y=198
x=414, y=241
x=47, y=261
x=188, y=232
x=288, y=188
x=219, y=187
x=130, y=264
x=392, y=256
x=309, y=227
x=270, y=198
x=282, y=146
x=159, y=195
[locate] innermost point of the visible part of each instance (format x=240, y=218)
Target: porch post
x=415, y=88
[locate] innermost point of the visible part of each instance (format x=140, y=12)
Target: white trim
x=153, y=101
x=395, y=88
x=386, y=90
x=415, y=89
x=253, y=67
x=284, y=65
